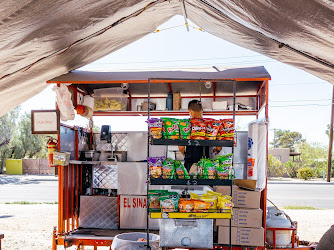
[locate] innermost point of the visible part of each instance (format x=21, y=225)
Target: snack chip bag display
x=153, y=199
x=198, y=129
x=226, y=129
x=155, y=126
x=186, y=205
x=185, y=128
x=171, y=127
x=212, y=129
x=181, y=171
x=168, y=169
x=155, y=166
x=201, y=206
x=169, y=202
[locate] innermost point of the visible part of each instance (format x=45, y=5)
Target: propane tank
x=52, y=146
x=276, y=219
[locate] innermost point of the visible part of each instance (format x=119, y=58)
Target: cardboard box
x=243, y=217
x=241, y=236
x=241, y=197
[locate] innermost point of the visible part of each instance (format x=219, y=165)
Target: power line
x=185, y=60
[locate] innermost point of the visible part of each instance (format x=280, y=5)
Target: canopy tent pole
x=184, y=14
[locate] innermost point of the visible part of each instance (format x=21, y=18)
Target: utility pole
x=329, y=161
x=274, y=137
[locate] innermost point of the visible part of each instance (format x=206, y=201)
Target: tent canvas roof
x=42, y=39
x=80, y=77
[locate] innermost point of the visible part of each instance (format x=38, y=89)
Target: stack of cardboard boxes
x=246, y=224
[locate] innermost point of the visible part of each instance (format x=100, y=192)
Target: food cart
x=103, y=197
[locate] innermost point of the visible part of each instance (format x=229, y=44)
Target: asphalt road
x=318, y=194
x=36, y=188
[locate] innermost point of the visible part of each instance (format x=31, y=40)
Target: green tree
x=8, y=124
x=292, y=168
x=26, y=144
x=275, y=167
x=286, y=139
x=327, y=130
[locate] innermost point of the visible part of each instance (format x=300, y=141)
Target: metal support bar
x=184, y=14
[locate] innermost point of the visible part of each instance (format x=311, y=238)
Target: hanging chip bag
x=155, y=166
x=181, y=171
x=155, y=126
x=212, y=129
x=185, y=128
x=198, y=129
x=168, y=169
x=171, y=128
x=153, y=199
x=169, y=202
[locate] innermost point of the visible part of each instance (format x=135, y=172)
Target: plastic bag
x=64, y=102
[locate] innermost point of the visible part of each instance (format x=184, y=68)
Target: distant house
x=284, y=154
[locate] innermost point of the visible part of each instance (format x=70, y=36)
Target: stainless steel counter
x=94, y=162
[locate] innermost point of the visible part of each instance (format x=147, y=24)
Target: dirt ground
x=30, y=226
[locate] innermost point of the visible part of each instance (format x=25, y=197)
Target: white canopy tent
x=42, y=39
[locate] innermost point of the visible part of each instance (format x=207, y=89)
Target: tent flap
x=42, y=39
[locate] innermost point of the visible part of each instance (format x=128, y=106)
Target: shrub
x=305, y=173
x=275, y=167
x=292, y=168
x=319, y=171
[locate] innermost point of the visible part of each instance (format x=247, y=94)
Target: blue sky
x=298, y=101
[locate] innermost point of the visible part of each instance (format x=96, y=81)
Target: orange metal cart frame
x=70, y=177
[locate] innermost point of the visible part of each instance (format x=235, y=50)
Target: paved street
x=32, y=188
x=319, y=194
x=38, y=188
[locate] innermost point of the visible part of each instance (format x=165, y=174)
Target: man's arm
x=182, y=149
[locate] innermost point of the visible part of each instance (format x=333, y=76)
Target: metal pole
x=329, y=161
x=148, y=169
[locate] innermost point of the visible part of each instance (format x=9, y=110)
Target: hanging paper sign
x=45, y=121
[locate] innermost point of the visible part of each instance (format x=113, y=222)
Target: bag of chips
x=186, y=205
x=169, y=202
x=194, y=196
x=200, y=169
x=224, y=202
x=225, y=159
x=181, y=171
x=171, y=126
x=155, y=166
x=153, y=199
x=185, y=128
x=227, y=129
x=201, y=206
x=223, y=171
x=212, y=129
x=209, y=169
x=155, y=126
x=212, y=200
x=168, y=169
x=198, y=129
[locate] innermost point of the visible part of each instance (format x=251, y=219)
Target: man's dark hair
x=195, y=105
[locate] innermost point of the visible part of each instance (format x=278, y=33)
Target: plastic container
x=110, y=99
x=129, y=241
x=61, y=158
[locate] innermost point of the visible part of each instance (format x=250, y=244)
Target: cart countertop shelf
x=178, y=215
x=189, y=142
x=204, y=182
